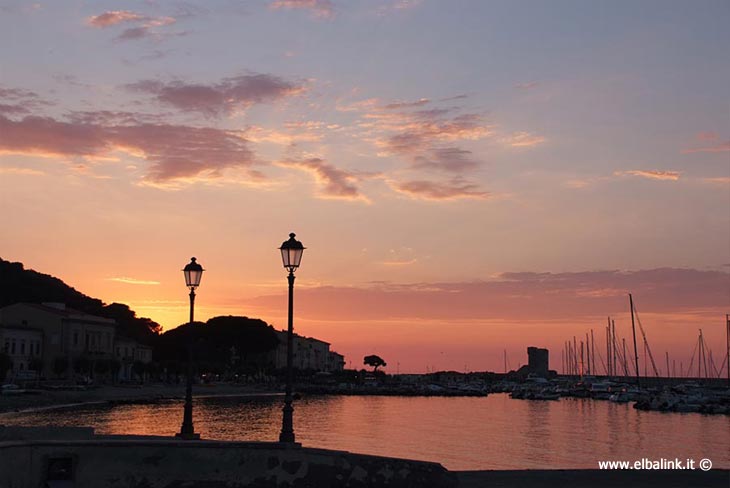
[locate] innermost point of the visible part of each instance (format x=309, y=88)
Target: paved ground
x=589, y=478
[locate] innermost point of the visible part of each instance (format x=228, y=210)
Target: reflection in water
x=496, y=432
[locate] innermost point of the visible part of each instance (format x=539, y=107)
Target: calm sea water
x=495, y=432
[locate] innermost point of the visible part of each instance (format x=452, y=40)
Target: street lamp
x=193, y=273
x=291, y=255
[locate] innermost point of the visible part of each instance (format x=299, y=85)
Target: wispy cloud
x=523, y=139
x=527, y=86
x=439, y=191
x=221, y=98
x=21, y=171
x=708, y=142
x=398, y=6
x=715, y=148
x=16, y=101
x=133, y=281
x=651, y=174
x=722, y=180
x=333, y=182
x=322, y=9
x=403, y=262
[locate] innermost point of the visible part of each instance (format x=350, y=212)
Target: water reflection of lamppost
x=193, y=272
x=291, y=255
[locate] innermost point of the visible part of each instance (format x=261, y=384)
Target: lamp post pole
x=291, y=254
x=287, y=426
x=193, y=273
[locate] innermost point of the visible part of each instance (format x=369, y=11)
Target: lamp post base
x=188, y=436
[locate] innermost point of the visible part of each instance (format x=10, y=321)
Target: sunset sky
x=467, y=176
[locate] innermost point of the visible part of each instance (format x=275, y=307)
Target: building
x=335, y=362
x=24, y=347
x=128, y=352
x=308, y=353
x=58, y=334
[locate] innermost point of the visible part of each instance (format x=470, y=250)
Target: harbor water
x=462, y=433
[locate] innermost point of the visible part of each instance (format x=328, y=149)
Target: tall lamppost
x=193, y=272
x=291, y=255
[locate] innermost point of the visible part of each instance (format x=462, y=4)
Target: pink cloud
x=319, y=8
x=651, y=174
x=334, y=182
x=145, y=25
x=527, y=86
x=174, y=152
x=430, y=190
x=220, y=98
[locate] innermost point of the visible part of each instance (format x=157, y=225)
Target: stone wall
x=147, y=462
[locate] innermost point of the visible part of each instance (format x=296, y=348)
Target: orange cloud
x=654, y=175
x=523, y=139
x=114, y=17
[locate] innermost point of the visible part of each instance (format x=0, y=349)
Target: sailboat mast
x=667, y=353
x=727, y=357
x=608, y=347
x=626, y=360
x=588, y=356
x=633, y=331
x=593, y=354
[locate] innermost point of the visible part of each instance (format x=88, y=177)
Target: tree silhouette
x=374, y=361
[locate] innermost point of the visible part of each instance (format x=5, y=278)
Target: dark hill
x=18, y=284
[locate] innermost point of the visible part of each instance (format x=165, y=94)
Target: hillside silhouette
x=18, y=284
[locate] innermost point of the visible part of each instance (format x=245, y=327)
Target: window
x=22, y=347
x=38, y=348
x=12, y=347
x=7, y=346
x=76, y=338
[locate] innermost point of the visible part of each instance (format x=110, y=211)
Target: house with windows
x=308, y=354
x=56, y=334
x=24, y=348
x=128, y=351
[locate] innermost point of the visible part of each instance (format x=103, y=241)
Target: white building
x=308, y=353
x=64, y=333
